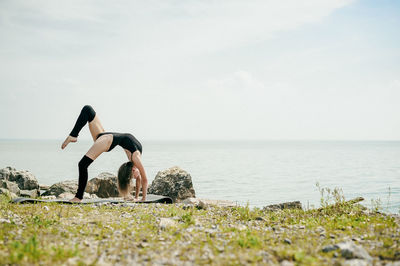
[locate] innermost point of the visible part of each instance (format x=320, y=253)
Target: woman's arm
x=137, y=162
x=137, y=188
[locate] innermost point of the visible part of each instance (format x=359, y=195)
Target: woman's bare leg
x=101, y=145
x=95, y=127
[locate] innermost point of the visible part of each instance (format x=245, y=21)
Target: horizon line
x=213, y=140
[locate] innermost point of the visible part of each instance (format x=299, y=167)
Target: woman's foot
x=129, y=198
x=75, y=200
x=68, y=140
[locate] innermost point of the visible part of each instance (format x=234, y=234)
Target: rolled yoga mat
x=149, y=199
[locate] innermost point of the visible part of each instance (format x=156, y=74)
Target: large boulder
x=4, y=191
x=104, y=186
x=29, y=193
x=24, y=179
x=70, y=186
x=174, y=183
x=11, y=186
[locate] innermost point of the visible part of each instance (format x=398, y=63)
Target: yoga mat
x=149, y=199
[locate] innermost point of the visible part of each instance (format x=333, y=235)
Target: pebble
x=287, y=241
x=287, y=263
x=349, y=250
x=166, y=223
x=394, y=263
x=329, y=248
x=241, y=227
x=357, y=262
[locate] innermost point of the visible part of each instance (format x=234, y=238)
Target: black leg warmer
x=87, y=115
x=83, y=175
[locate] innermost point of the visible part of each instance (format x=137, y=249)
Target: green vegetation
x=49, y=234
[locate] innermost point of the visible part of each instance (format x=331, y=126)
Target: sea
x=253, y=173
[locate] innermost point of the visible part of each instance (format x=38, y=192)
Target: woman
x=105, y=142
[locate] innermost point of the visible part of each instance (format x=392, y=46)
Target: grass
x=89, y=235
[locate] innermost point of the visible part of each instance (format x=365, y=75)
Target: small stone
x=349, y=250
x=29, y=193
x=51, y=197
x=357, y=262
x=143, y=245
x=241, y=227
x=202, y=205
x=287, y=241
x=287, y=263
x=329, y=248
x=166, y=223
x=2, y=220
x=191, y=201
x=393, y=263
x=43, y=187
x=66, y=195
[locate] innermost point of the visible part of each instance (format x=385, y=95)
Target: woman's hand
x=75, y=200
x=129, y=198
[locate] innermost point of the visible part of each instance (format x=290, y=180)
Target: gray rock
x=202, y=205
x=393, y=263
x=11, y=186
x=24, y=179
x=329, y=248
x=8, y=193
x=166, y=222
x=349, y=250
x=70, y=186
x=285, y=205
x=29, y=193
x=104, y=186
x=49, y=197
x=173, y=182
x=191, y=201
x=357, y=262
x=287, y=263
x=287, y=241
x=44, y=187
x=66, y=195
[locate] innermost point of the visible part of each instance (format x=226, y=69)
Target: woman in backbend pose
x=104, y=142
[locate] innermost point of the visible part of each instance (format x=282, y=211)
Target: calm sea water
x=257, y=173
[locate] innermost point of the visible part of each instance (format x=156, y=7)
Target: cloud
x=395, y=84
x=156, y=27
x=237, y=81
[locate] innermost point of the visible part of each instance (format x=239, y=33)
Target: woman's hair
x=124, y=177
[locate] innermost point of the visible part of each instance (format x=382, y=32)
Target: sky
x=202, y=70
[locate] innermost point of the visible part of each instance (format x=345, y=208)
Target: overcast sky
x=179, y=70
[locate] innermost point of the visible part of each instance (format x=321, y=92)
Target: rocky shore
x=194, y=231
